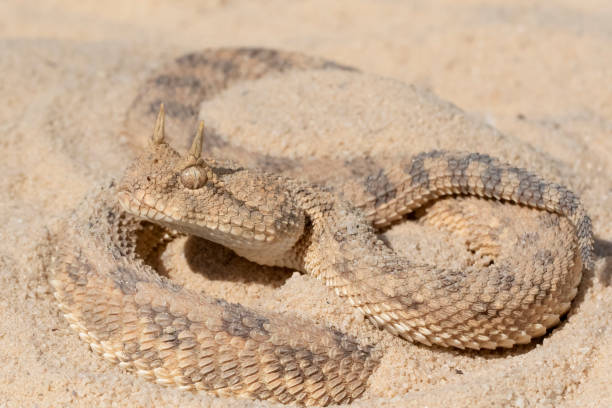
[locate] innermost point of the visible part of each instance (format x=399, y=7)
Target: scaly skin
x=174, y=336
x=169, y=334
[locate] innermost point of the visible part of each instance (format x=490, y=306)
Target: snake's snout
x=125, y=198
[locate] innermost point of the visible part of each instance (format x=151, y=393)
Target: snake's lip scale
x=132, y=205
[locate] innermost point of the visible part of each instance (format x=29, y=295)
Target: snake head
x=251, y=212
x=162, y=185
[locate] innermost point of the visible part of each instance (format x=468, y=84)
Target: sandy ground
x=541, y=74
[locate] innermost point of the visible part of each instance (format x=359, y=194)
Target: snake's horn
x=158, y=132
x=196, y=146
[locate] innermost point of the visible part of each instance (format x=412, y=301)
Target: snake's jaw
x=145, y=207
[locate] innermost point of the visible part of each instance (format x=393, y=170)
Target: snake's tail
x=437, y=173
x=133, y=317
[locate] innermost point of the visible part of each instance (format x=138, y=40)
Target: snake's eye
x=193, y=177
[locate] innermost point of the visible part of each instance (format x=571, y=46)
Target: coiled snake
x=172, y=335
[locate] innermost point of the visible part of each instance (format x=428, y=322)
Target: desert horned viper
x=173, y=335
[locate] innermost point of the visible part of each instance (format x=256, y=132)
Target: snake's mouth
x=143, y=206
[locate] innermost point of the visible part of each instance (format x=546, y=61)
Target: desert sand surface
x=530, y=82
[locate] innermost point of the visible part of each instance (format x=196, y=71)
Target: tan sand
x=542, y=74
